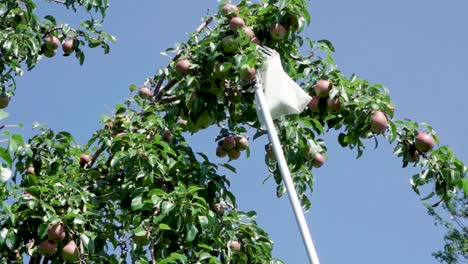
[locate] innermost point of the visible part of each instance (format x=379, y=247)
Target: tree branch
x=177, y=56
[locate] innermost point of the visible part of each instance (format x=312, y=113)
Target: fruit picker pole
x=283, y=167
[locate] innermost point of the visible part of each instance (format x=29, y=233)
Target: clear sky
x=363, y=211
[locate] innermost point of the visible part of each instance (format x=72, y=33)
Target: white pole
x=283, y=166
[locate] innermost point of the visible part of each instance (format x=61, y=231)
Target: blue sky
x=363, y=211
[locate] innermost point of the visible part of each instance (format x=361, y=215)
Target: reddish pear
x=314, y=104
x=56, y=232
x=85, y=159
x=183, y=66
x=319, y=160
x=236, y=23
x=230, y=10
x=322, y=88
x=70, y=252
x=221, y=152
x=249, y=32
x=229, y=142
x=424, y=142
x=333, y=104
x=145, y=92
x=47, y=248
x=30, y=170
x=235, y=245
x=277, y=31
x=52, y=42
x=256, y=41
x=4, y=101
x=379, y=122
x=67, y=46
x=233, y=154
x=242, y=143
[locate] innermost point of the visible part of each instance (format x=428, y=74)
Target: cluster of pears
x=379, y=121
x=52, y=43
x=55, y=234
x=232, y=146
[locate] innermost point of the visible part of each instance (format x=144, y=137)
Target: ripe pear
x=52, y=42
x=333, y=104
x=229, y=142
x=236, y=23
x=277, y=31
x=47, y=248
x=145, y=92
x=221, y=152
x=235, y=245
x=242, y=143
x=30, y=170
x=183, y=66
x=85, y=159
x=70, y=252
x=249, y=32
x=314, y=104
x=379, y=122
x=424, y=142
x=233, y=154
x=230, y=10
x=319, y=160
x=56, y=232
x=67, y=46
x=256, y=41
x=322, y=88
x=4, y=101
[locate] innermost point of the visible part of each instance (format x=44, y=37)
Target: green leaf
x=5, y=155
x=51, y=19
x=194, y=188
x=3, y=114
x=229, y=167
x=163, y=226
x=137, y=203
x=465, y=186
x=166, y=207
x=191, y=232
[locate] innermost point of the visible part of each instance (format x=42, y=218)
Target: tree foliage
x=136, y=190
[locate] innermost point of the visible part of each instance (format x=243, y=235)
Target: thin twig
x=167, y=100
x=51, y=30
x=96, y=155
x=168, y=86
